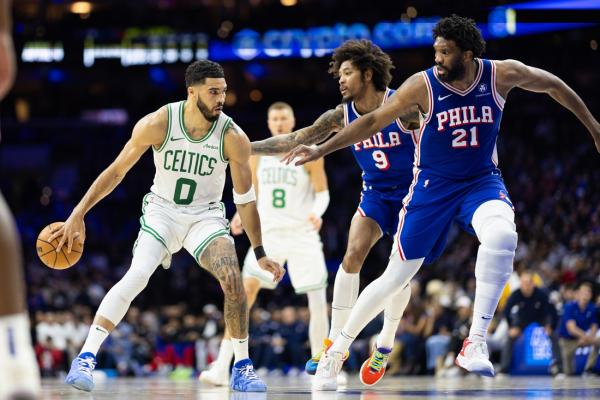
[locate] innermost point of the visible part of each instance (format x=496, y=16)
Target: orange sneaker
x=373, y=368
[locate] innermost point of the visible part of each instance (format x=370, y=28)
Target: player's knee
x=354, y=259
x=251, y=288
x=495, y=227
x=132, y=284
x=499, y=234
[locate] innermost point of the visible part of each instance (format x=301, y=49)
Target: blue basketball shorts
x=383, y=206
x=433, y=203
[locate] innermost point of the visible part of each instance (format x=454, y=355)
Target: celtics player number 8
x=278, y=198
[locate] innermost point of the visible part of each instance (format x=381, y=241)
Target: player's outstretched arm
x=237, y=150
x=513, y=73
x=413, y=92
x=7, y=52
x=329, y=122
x=149, y=131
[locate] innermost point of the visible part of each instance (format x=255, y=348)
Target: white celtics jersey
x=285, y=194
x=189, y=171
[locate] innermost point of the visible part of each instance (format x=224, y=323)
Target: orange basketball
x=46, y=250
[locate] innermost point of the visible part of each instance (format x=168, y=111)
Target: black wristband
x=259, y=252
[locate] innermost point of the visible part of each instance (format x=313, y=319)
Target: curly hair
x=463, y=32
x=199, y=70
x=364, y=55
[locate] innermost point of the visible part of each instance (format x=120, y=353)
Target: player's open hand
x=315, y=221
x=236, y=225
x=273, y=267
x=302, y=154
x=72, y=229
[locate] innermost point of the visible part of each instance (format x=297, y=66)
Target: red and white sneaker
x=373, y=368
x=474, y=357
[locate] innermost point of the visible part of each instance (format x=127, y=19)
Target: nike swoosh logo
x=440, y=98
x=486, y=317
x=175, y=139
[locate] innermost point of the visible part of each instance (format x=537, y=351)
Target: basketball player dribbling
x=193, y=142
x=290, y=201
x=386, y=159
x=456, y=177
x=19, y=373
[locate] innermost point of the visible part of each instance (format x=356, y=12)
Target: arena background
x=71, y=111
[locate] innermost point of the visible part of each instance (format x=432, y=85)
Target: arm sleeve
x=321, y=203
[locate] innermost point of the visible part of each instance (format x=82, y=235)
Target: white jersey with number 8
x=285, y=194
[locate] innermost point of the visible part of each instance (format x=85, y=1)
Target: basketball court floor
x=411, y=388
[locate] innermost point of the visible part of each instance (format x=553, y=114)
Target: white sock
x=487, y=296
x=240, y=348
x=15, y=335
x=345, y=293
x=225, y=354
x=373, y=298
x=391, y=318
x=492, y=270
x=19, y=372
x=94, y=339
x=318, y=325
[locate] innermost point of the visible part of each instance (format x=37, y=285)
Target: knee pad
x=399, y=272
x=132, y=284
x=148, y=254
x=494, y=225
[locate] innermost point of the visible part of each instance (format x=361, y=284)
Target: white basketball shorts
x=301, y=248
x=192, y=227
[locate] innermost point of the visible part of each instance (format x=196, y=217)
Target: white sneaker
x=327, y=371
x=474, y=357
x=215, y=375
x=342, y=378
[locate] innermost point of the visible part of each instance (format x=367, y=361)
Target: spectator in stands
x=578, y=327
x=438, y=331
x=460, y=331
x=525, y=306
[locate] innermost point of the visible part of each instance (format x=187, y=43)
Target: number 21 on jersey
x=460, y=140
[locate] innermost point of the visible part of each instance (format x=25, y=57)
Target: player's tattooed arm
x=513, y=73
x=329, y=122
x=221, y=261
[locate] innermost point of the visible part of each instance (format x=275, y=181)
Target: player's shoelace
x=86, y=365
x=317, y=357
x=249, y=373
x=480, y=349
x=378, y=361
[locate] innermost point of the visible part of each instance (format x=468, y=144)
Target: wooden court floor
x=280, y=388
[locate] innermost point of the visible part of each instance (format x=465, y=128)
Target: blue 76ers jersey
x=458, y=135
x=386, y=158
